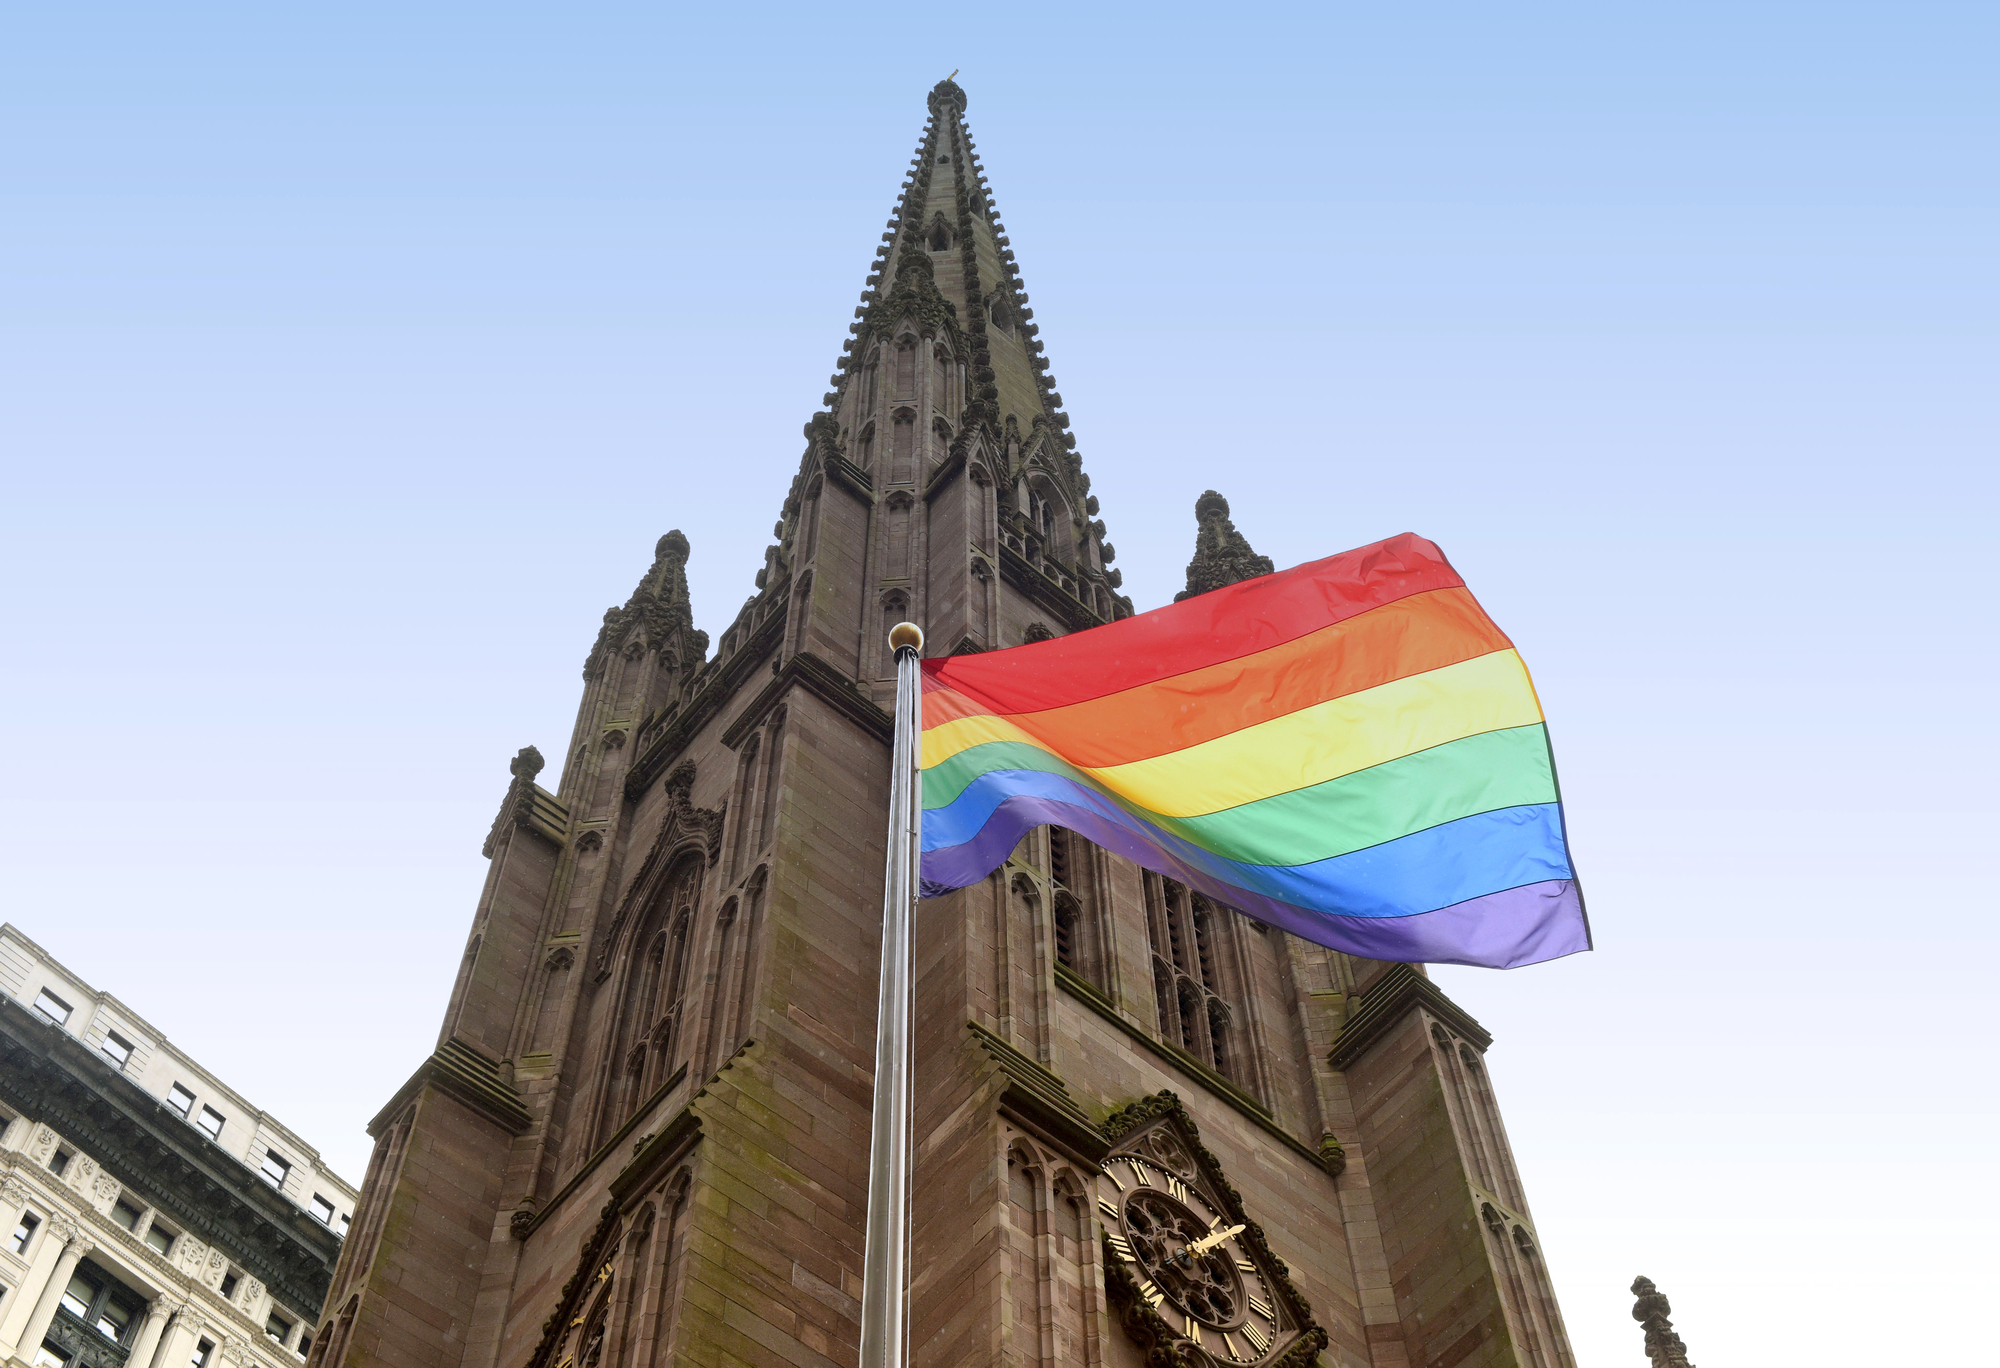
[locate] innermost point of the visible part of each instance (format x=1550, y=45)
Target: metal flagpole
x=885, y=1257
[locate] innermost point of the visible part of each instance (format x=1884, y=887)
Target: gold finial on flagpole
x=906, y=634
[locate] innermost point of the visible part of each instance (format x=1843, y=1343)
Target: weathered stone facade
x=642, y=1136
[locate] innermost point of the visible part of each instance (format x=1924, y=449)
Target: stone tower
x=642, y=1135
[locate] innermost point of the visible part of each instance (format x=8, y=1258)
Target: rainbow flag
x=1349, y=750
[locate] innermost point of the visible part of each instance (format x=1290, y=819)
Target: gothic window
x=746, y=993
x=868, y=376
x=864, y=448
x=767, y=817
x=904, y=450
x=652, y=998
x=1185, y=932
x=1066, y=932
x=1204, y=948
x=939, y=364
x=746, y=794
x=1072, y=877
x=906, y=368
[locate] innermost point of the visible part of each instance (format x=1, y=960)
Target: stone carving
x=107, y=1188
x=190, y=1254
x=682, y=824
x=43, y=1145
x=13, y=1192
x=248, y=1295
x=62, y=1228
x=1333, y=1154
x=526, y=764
x=1651, y=1310
x=1037, y=631
x=519, y=1223
x=1222, y=555
x=560, y=958
x=589, y=841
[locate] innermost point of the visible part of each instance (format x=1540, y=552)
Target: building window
x=101, y=1302
x=275, y=1168
x=126, y=1214
x=59, y=1162
x=52, y=1007
x=159, y=1237
x=202, y=1353
x=46, y=1357
x=117, y=1048
x=25, y=1232
x=344, y=1218
x=181, y=1100
x=228, y=1288
x=305, y=1345
x=277, y=1327
x=211, y=1121
x=323, y=1209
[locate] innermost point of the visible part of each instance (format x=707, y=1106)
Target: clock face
x=1188, y=1260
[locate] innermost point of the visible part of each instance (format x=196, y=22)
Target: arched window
x=646, y=1036
x=767, y=817
x=868, y=377
x=904, y=450
x=906, y=368
x=746, y=797
x=1066, y=931
x=1187, y=935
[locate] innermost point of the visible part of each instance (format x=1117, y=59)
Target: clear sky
x=352, y=359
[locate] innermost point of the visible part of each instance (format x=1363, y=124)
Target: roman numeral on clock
x=1246, y=1265
x=1194, y=1330
x=1153, y=1295
x=1139, y=1174
x=1261, y=1309
x=1177, y=1188
x=1108, y=1207
x=1112, y=1174
x=1120, y=1248
x=1255, y=1334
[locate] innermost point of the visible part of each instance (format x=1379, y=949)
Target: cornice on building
x=51, y=1077
x=25, y=967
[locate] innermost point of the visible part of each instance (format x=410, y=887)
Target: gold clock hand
x=1212, y=1239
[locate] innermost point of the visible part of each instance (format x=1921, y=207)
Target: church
x=642, y=1135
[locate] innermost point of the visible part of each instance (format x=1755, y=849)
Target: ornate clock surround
x=1147, y=1224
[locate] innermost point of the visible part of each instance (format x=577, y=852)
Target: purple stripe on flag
x=1498, y=930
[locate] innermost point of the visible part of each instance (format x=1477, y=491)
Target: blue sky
x=351, y=363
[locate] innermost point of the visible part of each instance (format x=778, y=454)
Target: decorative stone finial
x=1663, y=1346
x=527, y=764
x=947, y=93
x=673, y=546
x=1222, y=555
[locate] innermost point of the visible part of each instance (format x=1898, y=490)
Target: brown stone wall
x=1446, y=1294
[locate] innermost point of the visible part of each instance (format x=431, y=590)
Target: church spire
x=944, y=420
x=659, y=615
x=1222, y=555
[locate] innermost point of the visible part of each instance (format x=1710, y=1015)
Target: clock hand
x=1212, y=1239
